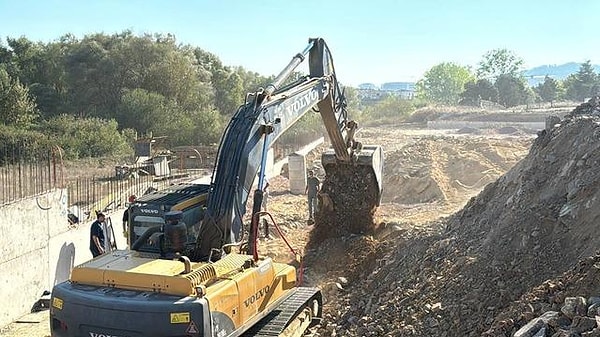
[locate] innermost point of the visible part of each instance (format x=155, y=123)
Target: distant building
x=405, y=90
x=398, y=86
x=370, y=92
x=368, y=86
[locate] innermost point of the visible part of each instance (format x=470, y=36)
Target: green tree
x=40, y=67
x=582, y=84
x=17, y=143
x=141, y=110
x=234, y=97
x=208, y=127
x=444, y=83
x=86, y=137
x=149, y=112
x=352, y=100
x=475, y=92
x=17, y=108
x=391, y=107
x=498, y=62
x=512, y=90
x=548, y=90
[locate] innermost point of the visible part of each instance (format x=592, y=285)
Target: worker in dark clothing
x=175, y=235
x=313, y=185
x=97, y=236
x=132, y=199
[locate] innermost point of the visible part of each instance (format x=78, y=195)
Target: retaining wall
x=39, y=249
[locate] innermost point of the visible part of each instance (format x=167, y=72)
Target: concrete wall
x=39, y=249
x=483, y=125
x=297, y=167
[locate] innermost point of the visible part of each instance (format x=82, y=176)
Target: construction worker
x=313, y=185
x=132, y=199
x=97, y=236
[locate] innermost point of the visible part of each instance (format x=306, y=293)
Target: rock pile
x=555, y=308
x=474, y=273
x=591, y=107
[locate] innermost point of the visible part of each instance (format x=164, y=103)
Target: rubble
x=472, y=273
x=347, y=202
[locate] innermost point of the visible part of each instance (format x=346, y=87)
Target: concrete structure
x=457, y=124
x=297, y=173
x=39, y=249
x=297, y=167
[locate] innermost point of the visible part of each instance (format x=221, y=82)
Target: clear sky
x=371, y=41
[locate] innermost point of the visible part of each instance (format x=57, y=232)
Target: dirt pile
x=441, y=168
x=531, y=225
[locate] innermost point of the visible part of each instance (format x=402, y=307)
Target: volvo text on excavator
x=216, y=284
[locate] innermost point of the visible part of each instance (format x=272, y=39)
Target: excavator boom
x=266, y=115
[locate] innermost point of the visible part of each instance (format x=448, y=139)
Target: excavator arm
x=264, y=117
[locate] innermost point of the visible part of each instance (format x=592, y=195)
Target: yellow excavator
x=216, y=284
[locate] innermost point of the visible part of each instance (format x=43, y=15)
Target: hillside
x=556, y=71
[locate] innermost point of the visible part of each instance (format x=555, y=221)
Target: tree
x=548, y=90
x=39, y=67
x=17, y=108
x=475, y=92
x=582, y=84
x=85, y=137
x=444, y=83
x=392, y=106
x=512, y=90
x=499, y=62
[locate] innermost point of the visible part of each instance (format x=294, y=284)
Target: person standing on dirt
x=97, y=235
x=313, y=185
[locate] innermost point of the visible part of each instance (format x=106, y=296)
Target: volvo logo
x=257, y=296
x=149, y=211
x=302, y=102
x=96, y=334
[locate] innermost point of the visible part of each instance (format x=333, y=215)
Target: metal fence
x=25, y=176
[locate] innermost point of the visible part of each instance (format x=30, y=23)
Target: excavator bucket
x=350, y=193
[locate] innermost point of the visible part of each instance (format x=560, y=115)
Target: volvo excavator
x=218, y=285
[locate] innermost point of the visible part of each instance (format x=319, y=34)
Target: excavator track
x=277, y=322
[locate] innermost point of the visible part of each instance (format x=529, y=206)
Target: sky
x=373, y=41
